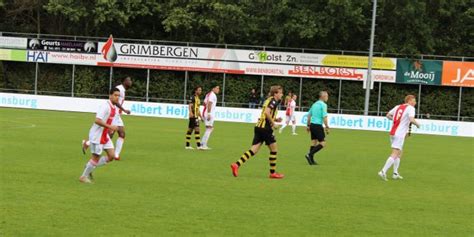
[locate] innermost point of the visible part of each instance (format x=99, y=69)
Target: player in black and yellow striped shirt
x=263, y=132
x=194, y=115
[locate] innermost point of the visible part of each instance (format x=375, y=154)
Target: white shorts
x=117, y=121
x=397, y=142
x=210, y=122
x=97, y=148
x=291, y=118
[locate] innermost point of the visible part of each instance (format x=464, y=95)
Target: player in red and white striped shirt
x=126, y=84
x=403, y=116
x=290, y=115
x=99, y=136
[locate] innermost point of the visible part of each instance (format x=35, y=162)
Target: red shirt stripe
x=397, y=118
x=104, y=138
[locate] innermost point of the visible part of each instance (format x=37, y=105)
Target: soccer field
x=160, y=189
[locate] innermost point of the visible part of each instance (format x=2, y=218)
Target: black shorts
x=263, y=135
x=317, y=132
x=193, y=123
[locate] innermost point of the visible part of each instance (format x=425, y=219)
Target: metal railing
x=223, y=102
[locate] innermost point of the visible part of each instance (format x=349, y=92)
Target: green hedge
x=168, y=86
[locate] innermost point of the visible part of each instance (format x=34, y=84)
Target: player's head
x=197, y=90
x=253, y=90
x=276, y=91
x=294, y=97
x=127, y=82
x=324, y=96
x=114, y=95
x=410, y=99
x=216, y=89
x=290, y=93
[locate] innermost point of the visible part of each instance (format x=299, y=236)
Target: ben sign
x=458, y=74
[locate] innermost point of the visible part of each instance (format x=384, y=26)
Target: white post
x=185, y=86
x=110, y=78
x=339, y=97
x=72, y=79
x=459, y=103
x=418, y=103
x=36, y=78
x=223, y=90
x=299, y=96
x=147, y=84
x=371, y=52
x=378, y=99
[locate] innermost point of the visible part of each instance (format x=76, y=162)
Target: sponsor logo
x=326, y=72
x=108, y=50
x=37, y=56
x=458, y=74
x=418, y=74
x=62, y=45
x=419, y=71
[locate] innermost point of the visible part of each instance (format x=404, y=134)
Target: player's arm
x=268, y=116
x=209, y=108
x=308, y=120
x=191, y=111
x=325, y=120
x=101, y=123
x=121, y=108
x=413, y=121
x=391, y=113
x=326, y=124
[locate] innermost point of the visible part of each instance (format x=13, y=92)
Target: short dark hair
x=125, y=78
x=196, y=88
x=113, y=90
x=214, y=86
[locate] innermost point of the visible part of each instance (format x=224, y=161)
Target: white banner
x=343, y=121
x=215, y=60
x=13, y=42
x=252, y=56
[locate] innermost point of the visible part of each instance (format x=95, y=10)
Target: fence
x=341, y=91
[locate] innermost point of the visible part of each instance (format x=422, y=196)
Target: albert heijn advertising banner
x=458, y=74
x=427, y=72
x=227, y=114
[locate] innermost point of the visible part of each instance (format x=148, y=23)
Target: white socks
x=387, y=165
x=206, y=136
x=396, y=164
x=118, y=146
x=90, y=166
x=102, y=161
x=293, y=128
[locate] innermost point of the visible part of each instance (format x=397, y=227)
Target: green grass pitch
x=161, y=189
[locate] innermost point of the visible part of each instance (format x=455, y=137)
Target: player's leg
x=207, y=133
x=317, y=141
x=119, y=142
x=396, y=150
x=85, y=145
x=89, y=167
x=308, y=156
x=256, y=144
x=189, y=132
x=287, y=121
x=396, y=165
x=197, y=136
x=273, y=161
x=293, y=126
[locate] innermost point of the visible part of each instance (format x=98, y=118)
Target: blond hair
x=409, y=97
x=274, y=89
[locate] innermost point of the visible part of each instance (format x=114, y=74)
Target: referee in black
x=317, y=115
